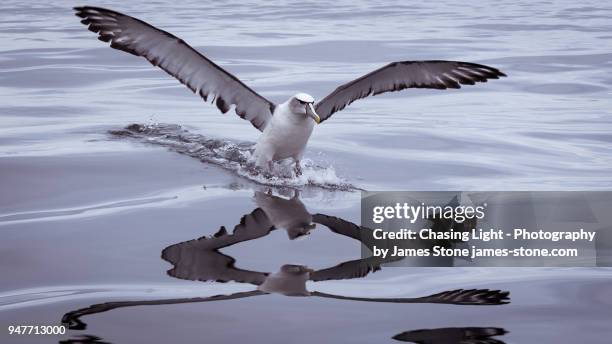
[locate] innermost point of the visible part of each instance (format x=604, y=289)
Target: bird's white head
x=303, y=104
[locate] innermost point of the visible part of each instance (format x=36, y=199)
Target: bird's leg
x=298, y=168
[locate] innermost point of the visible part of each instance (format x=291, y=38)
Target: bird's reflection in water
x=201, y=260
x=84, y=339
x=453, y=335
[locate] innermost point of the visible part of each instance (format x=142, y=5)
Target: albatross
x=285, y=127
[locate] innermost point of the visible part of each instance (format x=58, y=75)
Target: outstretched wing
x=397, y=76
x=200, y=259
x=452, y=297
x=73, y=319
x=180, y=60
x=358, y=268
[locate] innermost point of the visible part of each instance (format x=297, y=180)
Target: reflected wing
x=190, y=262
x=453, y=335
x=339, y=226
x=180, y=60
x=346, y=228
x=252, y=226
x=200, y=259
x=454, y=297
x=73, y=321
x=397, y=76
x=352, y=269
x=470, y=297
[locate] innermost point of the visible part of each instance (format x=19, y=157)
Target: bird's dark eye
x=301, y=102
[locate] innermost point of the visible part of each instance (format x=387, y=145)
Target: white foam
x=235, y=157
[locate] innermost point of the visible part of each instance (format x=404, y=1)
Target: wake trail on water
x=233, y=156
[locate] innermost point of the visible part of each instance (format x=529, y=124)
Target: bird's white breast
x=285, y=136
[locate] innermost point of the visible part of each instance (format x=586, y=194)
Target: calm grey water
x=85, y=215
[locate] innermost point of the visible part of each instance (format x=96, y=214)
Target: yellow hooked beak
x=310, y=111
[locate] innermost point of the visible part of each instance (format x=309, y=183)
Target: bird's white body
x=284, y=137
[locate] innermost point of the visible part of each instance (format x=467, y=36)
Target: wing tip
x=474, y=297
x=491, y=72
x=84, y=11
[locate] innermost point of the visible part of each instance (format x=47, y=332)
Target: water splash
x=234, y=156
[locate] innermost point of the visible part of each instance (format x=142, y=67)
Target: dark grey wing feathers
x=397, y=76
x=177, y=58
